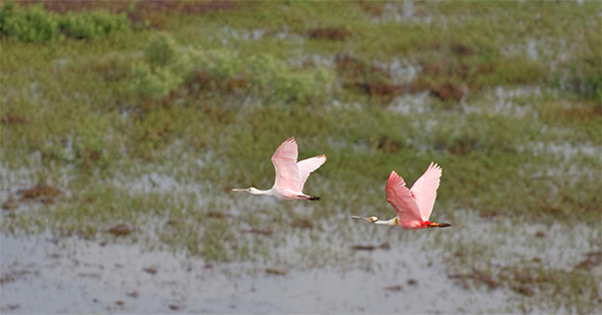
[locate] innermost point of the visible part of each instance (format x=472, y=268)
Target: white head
x=255, y=191
x=375, y=220
x=370, y=219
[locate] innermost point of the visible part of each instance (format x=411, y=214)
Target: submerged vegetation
x=118, y=116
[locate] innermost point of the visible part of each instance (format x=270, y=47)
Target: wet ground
x=408, y=272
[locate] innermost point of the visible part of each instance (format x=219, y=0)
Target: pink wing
x=399, y=196
x=285, y=164
x=424, y=190
x=307, y=166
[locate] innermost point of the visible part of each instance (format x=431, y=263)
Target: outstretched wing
x=399, y=196
x=307, y=166
x=285, y=164
x=424, y=190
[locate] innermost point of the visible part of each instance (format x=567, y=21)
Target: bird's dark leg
x=440, y=225
x=314, y=198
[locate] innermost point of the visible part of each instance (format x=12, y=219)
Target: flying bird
x=290, y=174
x=413, y=206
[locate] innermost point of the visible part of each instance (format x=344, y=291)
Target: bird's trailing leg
x=440, y=225
x=306, y=197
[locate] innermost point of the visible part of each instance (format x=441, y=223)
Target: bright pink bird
x=290, y=174
x=413, y=206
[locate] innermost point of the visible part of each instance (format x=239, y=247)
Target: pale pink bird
x=413, y=206
x=290, y=174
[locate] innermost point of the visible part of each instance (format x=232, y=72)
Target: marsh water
x=408, y=276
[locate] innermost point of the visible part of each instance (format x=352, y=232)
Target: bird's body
x=413, y=206
x=290, y=174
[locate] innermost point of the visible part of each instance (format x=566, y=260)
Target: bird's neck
x=256, y=191
x=394, y=221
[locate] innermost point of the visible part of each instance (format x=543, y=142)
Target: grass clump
x=33, y=23
x=169, y=67
x=161, y=50
x=219, y=65
x=273, y=77
x=154, y=82
x=28, y=24
x=91, y=25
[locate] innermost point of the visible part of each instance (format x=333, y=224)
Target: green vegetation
x=34, y=23
x=158, y=124
x=167, y=66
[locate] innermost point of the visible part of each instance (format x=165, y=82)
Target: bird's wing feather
x=307, y=166
x=424, y=190
x=285, y=164
x=399, y=196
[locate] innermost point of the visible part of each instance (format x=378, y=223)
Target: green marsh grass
x=521, y=142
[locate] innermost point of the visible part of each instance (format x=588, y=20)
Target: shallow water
x=72, y=275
